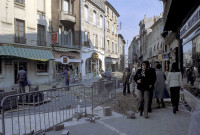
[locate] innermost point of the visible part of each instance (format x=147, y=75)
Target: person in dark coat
x=22, y=78
x=126, y=82
x=152, y=73
x=143, y=78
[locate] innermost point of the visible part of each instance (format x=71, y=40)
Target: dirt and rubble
x=122, y=103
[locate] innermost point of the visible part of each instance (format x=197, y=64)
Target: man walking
x=22, y=78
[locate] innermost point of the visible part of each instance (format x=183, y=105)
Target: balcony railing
x=67, y=16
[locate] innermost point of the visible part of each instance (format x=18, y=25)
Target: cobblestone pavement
x=160, y=122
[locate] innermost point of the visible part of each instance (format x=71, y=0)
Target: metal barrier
x=41, y=110
x=103, y=92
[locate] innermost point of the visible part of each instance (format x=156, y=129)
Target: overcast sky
x=132, y=12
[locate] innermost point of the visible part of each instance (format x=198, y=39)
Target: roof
x=112, y=8
x=99, y=3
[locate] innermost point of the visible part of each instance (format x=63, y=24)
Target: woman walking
x=160, y=89
x=174, y=80
x=143, y=79
x=66, y=77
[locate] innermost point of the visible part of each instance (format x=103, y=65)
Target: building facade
x=25, y=33
x=111, y=38
x=66, y=26
x=121, y=43
x=93, y=35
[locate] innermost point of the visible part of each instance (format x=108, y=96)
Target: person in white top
x=174, y=81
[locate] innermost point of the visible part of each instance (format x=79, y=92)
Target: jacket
x=147, y=80
x=174, y=79
x=21, y=76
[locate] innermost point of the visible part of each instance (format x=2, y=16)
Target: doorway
x=16, y=68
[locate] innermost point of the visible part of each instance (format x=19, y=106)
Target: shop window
x=42, y=67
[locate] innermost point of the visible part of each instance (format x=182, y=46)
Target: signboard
x=95, y=56
x=159, y=57
x=193, y=21
x=54, y=38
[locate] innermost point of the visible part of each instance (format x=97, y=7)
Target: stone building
x=25, y=27
x=66, y=26
x=93, y=34
x=121, y=43
x=111, y=38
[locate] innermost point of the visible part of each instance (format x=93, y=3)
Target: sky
x=131, y=13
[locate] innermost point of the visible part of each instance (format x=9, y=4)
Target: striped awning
x=34, y=54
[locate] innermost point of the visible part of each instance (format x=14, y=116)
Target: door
x=16, y=68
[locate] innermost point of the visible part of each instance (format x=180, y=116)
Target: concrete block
x=65, y=132
x=130, y=115
x=59, y=127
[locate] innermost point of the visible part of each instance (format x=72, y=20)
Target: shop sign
x=95, y=56
x=159, y=57
x=54, y=38
x=191, y=23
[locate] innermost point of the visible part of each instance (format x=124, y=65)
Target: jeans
x=143, y=101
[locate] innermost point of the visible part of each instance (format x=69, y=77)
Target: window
x=108, y=46
x=166, y=48
x=112, y=14
x=60, y=36
x=19, y=31
x=113, y=47
x=101, y=21
x=107, y=25
x=112, y=28
x=94, y=17
x=42, y=67
x=86, y=13
x=41, y=35
x=94, y=37
x=0, y=66
x=20, y=1
x=107, y=10
x=102, y=42
x=86, y=36
x=41, y=5
x=116, y=48
x=66, y=6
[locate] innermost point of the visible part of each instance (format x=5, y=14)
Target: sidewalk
x=161, y=122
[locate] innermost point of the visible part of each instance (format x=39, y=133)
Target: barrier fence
x=103, y=92
x=41, y=110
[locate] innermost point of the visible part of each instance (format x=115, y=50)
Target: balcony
x=67, y=18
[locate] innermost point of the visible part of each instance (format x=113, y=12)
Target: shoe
x=163, y=105
x=124, y=94
x=141, y=113
x=146, y=117
x=150, y=110
x=174, y=110
x=158, y=107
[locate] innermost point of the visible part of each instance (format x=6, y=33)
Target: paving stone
x=65, y=132
x=59, y=127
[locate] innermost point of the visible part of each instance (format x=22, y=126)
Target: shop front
x=93, y=62
x=67, y=57
x=112, y=64
x=37, y=63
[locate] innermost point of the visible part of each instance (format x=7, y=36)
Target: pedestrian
x=22, y=78
x=174, y=81
x=143, y=80
x=66, y=77
x=125, y=79
x=152, y=73
x=106, y=75
x=160, y=89
x=131, y=80
x=192, y=76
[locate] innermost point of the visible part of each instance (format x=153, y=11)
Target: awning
x=34, y=54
